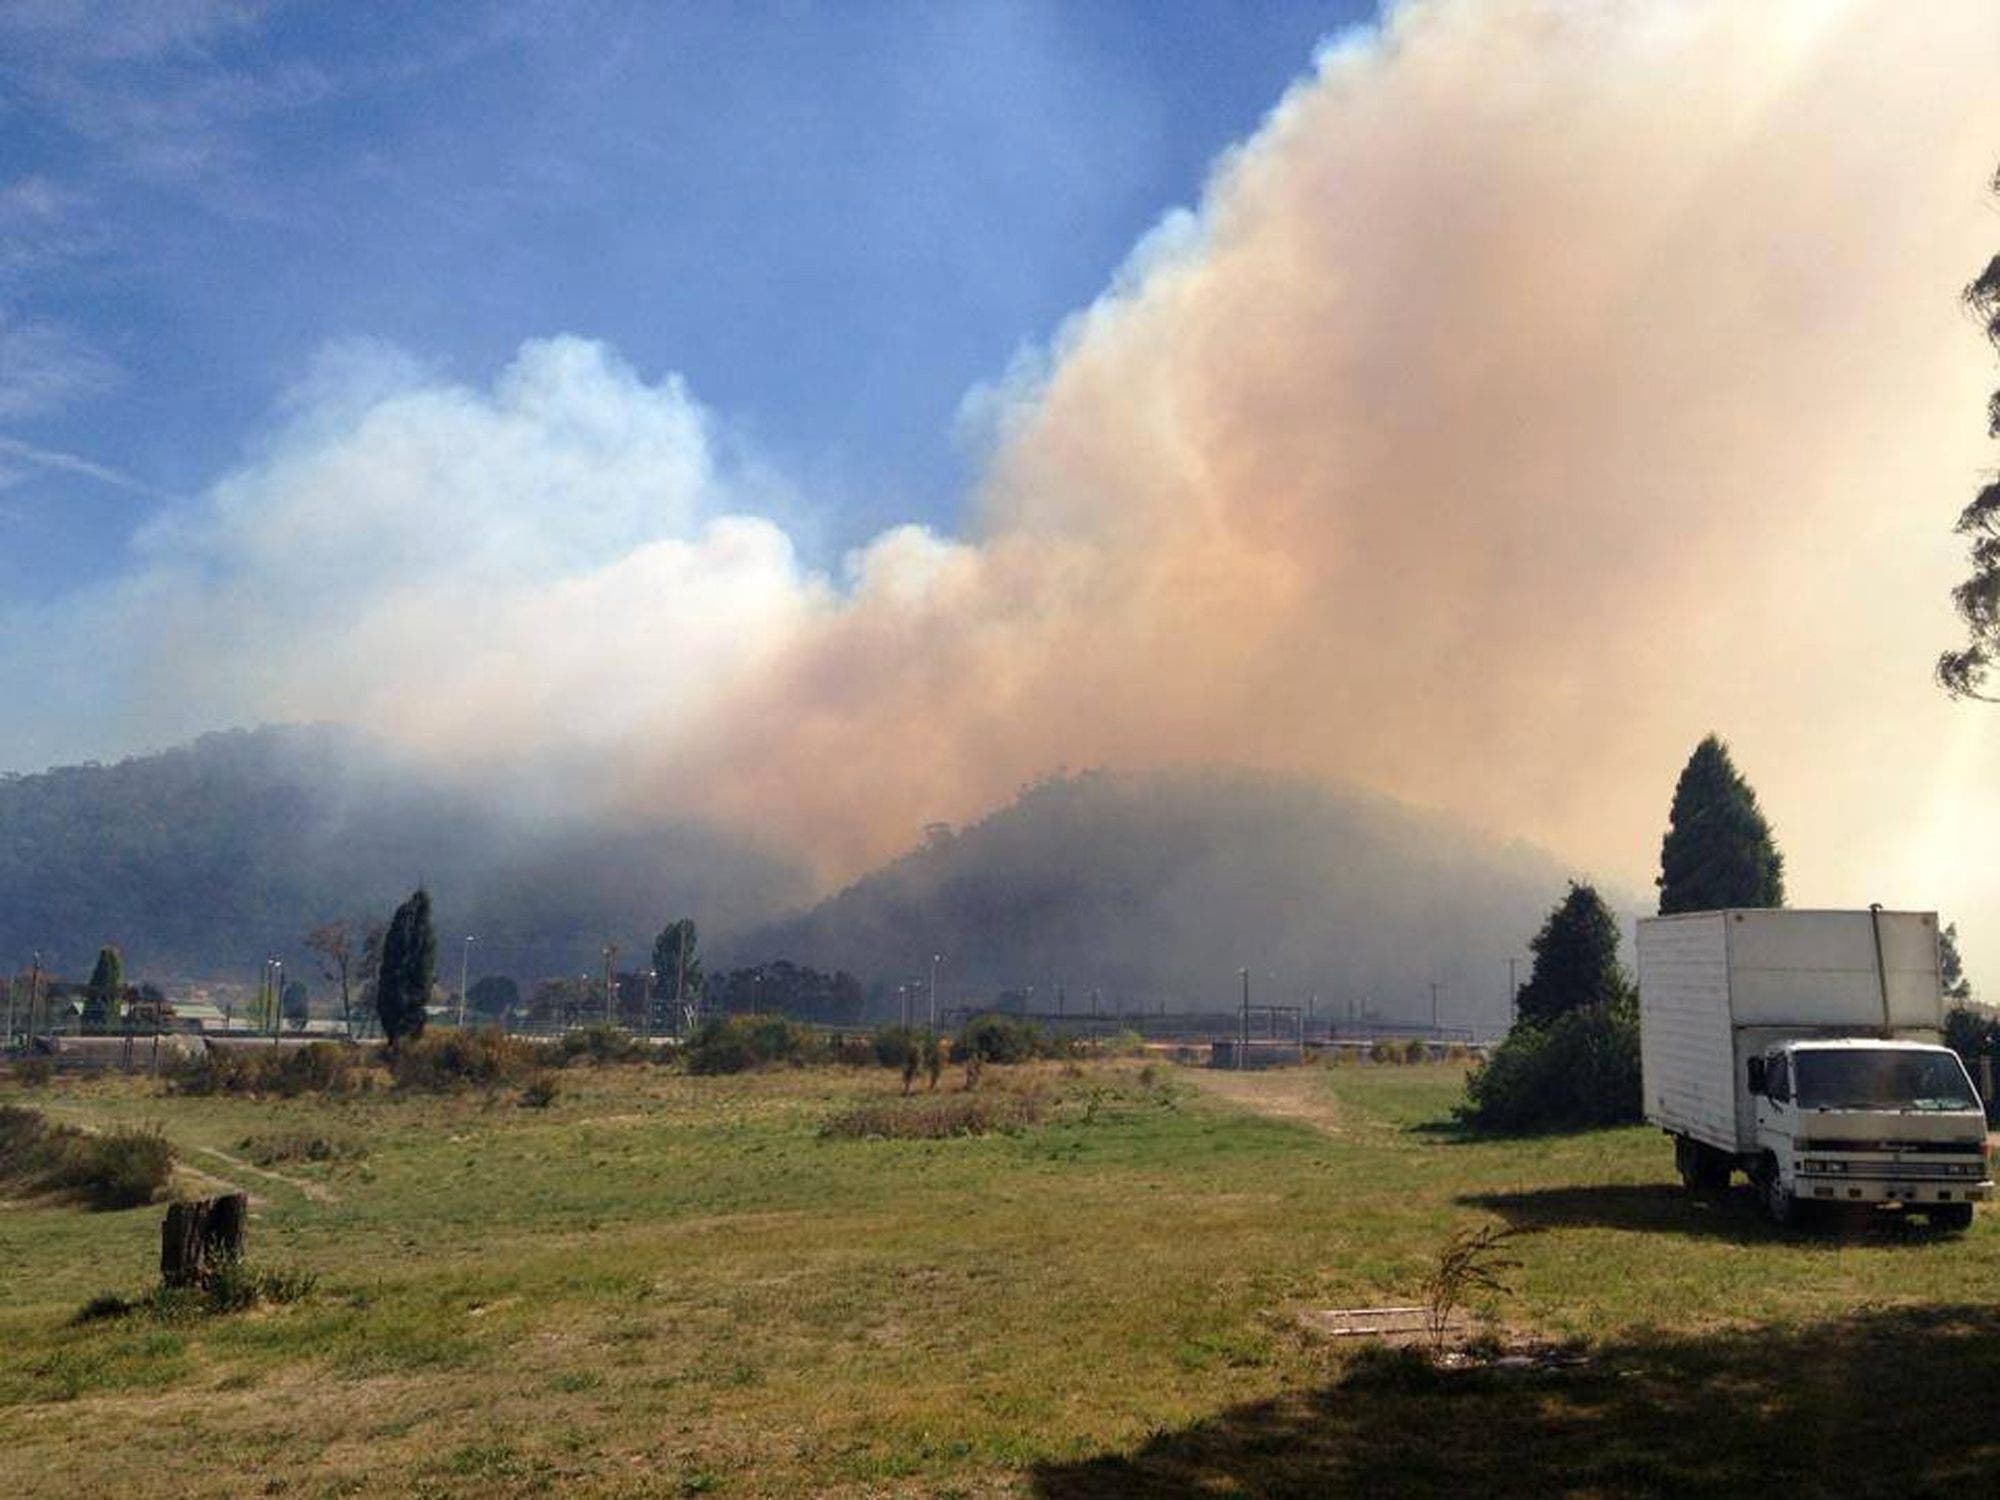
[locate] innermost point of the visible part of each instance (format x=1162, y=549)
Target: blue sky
x=832, y=220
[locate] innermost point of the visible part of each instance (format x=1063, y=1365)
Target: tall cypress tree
x=408, y=969
x=1576, y=960
x=106, y=988
x=674, y=961
x=1718, y=851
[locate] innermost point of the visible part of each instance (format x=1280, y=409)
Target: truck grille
x=1918, y=1148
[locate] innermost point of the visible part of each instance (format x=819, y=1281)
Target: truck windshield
x=1857, y=1078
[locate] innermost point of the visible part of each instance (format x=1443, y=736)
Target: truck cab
x=1868, y=1121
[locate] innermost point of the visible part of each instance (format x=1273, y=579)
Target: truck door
x=1775, y=1114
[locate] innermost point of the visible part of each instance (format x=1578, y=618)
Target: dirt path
x=313, y=1190
x=1297, y=1094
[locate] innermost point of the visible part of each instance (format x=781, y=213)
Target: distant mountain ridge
x=203, y=860
x=1155, y=889
x=1150, y=888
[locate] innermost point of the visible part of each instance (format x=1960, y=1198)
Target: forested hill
x=203, y=860
x=1157, y=888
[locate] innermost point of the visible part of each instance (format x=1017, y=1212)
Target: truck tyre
x=1703, y=1169
x=1780, y=1204
x=1953, y=1216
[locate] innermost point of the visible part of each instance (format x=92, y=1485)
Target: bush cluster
x=736, y=1044
x=597, y=1044
x=443, y=1062
x=118, y=1169
x=1581, y=1069
x=994, y=1038
x=331, y=1068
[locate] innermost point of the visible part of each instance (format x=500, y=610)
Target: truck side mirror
x=1756, y=1075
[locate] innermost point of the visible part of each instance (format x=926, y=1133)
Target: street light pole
x=936, y=959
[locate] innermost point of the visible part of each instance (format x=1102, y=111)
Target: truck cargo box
x=1717, y=987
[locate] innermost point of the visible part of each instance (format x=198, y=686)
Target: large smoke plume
x=1541, y=387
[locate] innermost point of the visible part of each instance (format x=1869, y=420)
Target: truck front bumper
x=1870, y=1184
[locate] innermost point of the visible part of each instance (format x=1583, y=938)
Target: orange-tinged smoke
x=1544, y=385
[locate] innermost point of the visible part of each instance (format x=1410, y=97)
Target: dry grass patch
x=934, y=1117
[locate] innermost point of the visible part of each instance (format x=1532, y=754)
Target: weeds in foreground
x=232, y=1286
x=1471, y=1260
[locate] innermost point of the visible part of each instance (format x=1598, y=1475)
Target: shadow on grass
x=1662, y=1208
x=1896, y=1402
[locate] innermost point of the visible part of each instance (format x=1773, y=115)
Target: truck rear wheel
x=1703, y=1169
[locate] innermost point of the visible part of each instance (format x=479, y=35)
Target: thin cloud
x=74, y=463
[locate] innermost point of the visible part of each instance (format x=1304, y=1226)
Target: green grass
x=669, y=1285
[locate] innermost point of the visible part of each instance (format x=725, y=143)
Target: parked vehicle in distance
x=1805, y=1049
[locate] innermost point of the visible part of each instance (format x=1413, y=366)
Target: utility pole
x=1434, y=1007
x=1513, y=993
x=1243, y=1047
x=680, y=980
x=277, y=998
x=610, y=988
x=7, y=1042
x=936, y=959
x=464, y=959
x=646, y=1006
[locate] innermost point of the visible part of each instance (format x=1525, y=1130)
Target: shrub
x=446, y=1061
x=1126, y=1043
x=852, y=1051
x=330, y=1068
x=1385, y=1051
x=540, y=1092
x=1000, y=1039
x=598, y=1044
x=894, y=1045
x=119, y=1169
x=1416, y=1050
x=34, y=1072
x=1581, y=1070
x=931, y=1117
x=735, y=1044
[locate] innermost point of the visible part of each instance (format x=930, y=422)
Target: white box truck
x=1805, y=1049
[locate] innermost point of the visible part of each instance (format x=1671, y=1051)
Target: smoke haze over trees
x=1149, y=888
x=206, y=859
x=1153, y=890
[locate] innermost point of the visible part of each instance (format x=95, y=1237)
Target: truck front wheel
x=1957, y=1216
x=1780, y=1203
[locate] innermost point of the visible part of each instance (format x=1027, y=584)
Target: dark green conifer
x=1718, y=851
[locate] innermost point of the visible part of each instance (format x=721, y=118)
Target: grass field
x=665, y=1285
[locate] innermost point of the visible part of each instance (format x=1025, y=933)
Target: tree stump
x=199, y=1236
